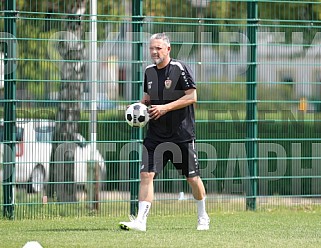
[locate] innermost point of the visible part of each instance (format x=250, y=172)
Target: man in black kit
x=170, y=93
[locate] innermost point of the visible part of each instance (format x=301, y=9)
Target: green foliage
x=170, y=16
x=35, y=69
x=36, y=90
x=292, y=17
x=222, y=96
x=232, y=95
x=276, y=97
x=37, y=73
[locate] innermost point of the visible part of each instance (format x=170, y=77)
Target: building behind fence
x=257, y=68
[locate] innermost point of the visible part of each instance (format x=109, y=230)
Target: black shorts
x=182, y=155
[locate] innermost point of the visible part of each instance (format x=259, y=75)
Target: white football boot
x=203, y=223
x=133, y=224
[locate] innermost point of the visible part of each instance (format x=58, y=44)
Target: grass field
x=279, y=228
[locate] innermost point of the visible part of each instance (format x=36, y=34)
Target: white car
x=33, y=151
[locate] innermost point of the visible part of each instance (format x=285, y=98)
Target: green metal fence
x=69, y=73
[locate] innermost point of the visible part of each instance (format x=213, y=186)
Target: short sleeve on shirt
x=186, y=79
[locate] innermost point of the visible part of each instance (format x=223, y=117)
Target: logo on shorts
x=168, y=83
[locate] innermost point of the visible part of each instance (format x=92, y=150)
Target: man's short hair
x=161, y=36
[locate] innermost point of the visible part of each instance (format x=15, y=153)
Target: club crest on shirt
x=168, y=83
x=149, y=85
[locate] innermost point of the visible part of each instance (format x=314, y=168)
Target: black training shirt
x=166, y=85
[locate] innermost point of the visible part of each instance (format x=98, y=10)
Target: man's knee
x=147, y=176
x=193, y=180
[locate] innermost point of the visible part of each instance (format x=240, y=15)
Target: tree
x=72, y=51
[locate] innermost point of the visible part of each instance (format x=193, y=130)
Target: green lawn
x=281, y=228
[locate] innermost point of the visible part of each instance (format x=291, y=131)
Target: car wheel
x=36, y=180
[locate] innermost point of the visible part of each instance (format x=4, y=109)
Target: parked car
x=33, y=152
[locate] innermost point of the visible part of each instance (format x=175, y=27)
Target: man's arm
x=145, y=99
x=189, y=98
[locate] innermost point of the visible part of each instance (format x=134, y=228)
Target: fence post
x=9, y=109
x=93, y=185
x=251, y=105
x=137, y=45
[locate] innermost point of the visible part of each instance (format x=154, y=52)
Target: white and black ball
x=137, y=115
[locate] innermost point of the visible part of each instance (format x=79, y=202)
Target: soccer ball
x=137, y=115
x=32, y=244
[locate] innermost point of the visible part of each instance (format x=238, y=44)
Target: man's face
x=159, y=50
